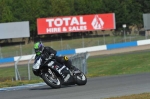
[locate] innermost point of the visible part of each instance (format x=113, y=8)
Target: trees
x=126, y=11
x=6, y=11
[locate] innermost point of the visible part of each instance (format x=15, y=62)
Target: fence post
x=29, y=75
x=20, y=49
x=16, y=70
x=1, y=52
x=83, y=41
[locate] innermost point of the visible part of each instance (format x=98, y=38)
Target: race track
x=96, y=88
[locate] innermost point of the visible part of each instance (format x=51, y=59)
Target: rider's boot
x=75, y=70
x=71, y=67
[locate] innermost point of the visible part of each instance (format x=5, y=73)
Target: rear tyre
x=52, y=81
x=80, y=79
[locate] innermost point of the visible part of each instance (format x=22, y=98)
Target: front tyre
x=51, y=80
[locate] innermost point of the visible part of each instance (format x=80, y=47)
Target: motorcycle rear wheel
x=54, y=82
x=81, y=79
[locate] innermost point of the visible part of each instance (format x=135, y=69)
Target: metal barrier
x=79, y=60
x=17, y=74
x=23, y=73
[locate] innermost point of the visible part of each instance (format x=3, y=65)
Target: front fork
x=49, y=71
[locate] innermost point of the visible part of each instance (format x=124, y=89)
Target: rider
x=47, y=52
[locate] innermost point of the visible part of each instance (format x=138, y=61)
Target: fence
x=64, y=44
x=24, y=71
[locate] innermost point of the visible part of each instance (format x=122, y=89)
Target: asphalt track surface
x=96, y=88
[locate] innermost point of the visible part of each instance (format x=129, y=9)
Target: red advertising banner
x=76, y=23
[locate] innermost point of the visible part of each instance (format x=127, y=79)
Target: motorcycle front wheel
x=51, y=80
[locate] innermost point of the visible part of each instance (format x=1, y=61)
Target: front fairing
x=37, y=63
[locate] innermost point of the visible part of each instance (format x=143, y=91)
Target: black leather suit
x=48, y=51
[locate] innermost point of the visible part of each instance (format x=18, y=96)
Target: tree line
x=128, y=12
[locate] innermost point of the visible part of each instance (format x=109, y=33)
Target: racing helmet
x=38, y=48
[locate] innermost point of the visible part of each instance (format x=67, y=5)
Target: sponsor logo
x=97, y=22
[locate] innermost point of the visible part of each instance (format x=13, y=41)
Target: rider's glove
x=51, y=56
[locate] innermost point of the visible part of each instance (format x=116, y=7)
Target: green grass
x=9, y=72
x=9, y=83
x=134, y=96
x=129, y=63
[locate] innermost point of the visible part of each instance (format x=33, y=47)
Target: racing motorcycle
x=55, y=74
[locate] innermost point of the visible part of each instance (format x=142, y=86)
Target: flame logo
x=97, y=22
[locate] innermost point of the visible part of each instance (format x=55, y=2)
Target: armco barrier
x=27, y=57
x=66, y=52
x=90, y=49
x=143, y=42
x=6, y=60
x=87, y=49
x=121, y=45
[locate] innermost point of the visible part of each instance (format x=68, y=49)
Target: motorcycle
x=55, y=74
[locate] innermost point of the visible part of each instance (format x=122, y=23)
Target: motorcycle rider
x=46, y=52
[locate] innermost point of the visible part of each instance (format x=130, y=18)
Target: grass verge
x=9, y=83
x=134, y=96
x=127, y=63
